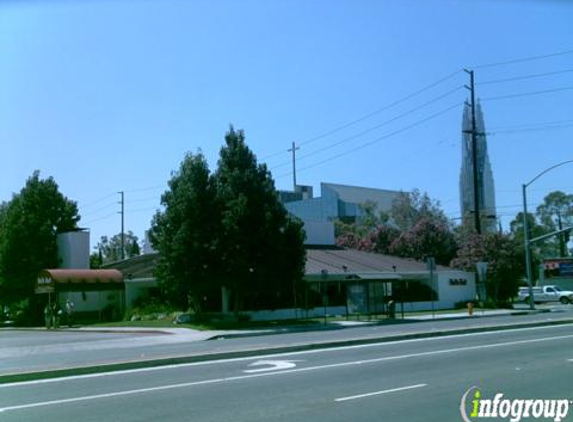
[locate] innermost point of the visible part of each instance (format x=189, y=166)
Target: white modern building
x=336, y=202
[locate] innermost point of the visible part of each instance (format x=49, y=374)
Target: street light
x=526, y=230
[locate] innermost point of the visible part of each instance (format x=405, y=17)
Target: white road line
x=288, y=371
x=377, y=393
x=275, y=355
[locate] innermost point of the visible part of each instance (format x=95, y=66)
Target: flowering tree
x=504, y=257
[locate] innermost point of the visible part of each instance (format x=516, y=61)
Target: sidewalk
x=36, y=354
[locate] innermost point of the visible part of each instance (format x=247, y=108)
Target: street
x=31, y=351
x=412, y=380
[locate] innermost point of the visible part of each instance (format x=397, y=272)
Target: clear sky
x=108, y=95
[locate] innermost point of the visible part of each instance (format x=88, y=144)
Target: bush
x=149, y=309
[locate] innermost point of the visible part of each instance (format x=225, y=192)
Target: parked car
x=546, y=294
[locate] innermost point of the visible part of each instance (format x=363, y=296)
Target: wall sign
x=458, y=282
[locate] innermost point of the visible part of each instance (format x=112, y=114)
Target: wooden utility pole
x=473, y=132
x=293, y=150
x=122, y=212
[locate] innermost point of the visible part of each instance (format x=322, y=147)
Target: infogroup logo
x=473, y=407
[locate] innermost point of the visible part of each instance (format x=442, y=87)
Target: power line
x=377, y=140
x=373, y=128
x=527, y=94
x=380, y=110
x=524, y=77
x=101, y=209
x=97, y=201
x=532, y=125
x=101, y=218
x=522, y=60
x=370, y=114
x=538, y=129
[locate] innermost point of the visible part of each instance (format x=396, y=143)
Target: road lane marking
x=284, y=354
x=277, y=373
x=271, y=365
x=377, y=393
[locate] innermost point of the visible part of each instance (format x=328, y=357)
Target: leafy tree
x=29, y=223
x=539, y=250
x=185, y=234
x=109, y=249
x=383, y=238
x=227, y=229
x=505, y=260
x=411, y=207
x=415, y=228
x=427, y=238
x=556, y=213
x=255, y=229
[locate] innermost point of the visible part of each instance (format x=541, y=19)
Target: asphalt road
x=414, y=380
x=22, y=351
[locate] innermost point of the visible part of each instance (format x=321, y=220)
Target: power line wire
x=522, y=60
x=524, y=77
x=370, y=114
x=377, y=140
x=97, y=201
x=531, y=125
x=373, y=128
x=101, y=218
x=539, y=129
x=101, y=209
x=527, y=94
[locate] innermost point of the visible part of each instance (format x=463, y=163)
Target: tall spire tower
x=485, y=184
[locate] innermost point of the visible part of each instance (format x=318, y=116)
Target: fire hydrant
x=470, y=308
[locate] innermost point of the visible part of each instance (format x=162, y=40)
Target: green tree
x=408, y=208
x=505, y=259
x=185, y=235
x=428, y=238
x=255, y=229
x=109, y=249
x=29, y=223
x=539, y=250
x=556, y=213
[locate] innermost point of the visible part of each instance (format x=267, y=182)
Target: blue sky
x=108, y=95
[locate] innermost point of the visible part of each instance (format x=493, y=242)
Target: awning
x=72, y=279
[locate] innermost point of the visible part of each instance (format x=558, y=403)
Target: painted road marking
x=278, y=355
x=271, y=365
x=277, y=373
x=377, y=393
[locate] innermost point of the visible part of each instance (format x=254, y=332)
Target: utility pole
x=293, y=150
x=473, y=132
x=122, y=212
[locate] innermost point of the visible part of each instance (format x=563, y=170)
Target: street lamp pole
x=526, y=230
x=527, y=248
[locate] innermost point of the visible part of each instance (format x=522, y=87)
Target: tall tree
x=109, y=249
x=185, y=234
x=556, y=213
x=255, y=227
x=29, y=223
x=410, y=207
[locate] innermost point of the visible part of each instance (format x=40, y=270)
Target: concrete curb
x=173, y=360
x=409, y=320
